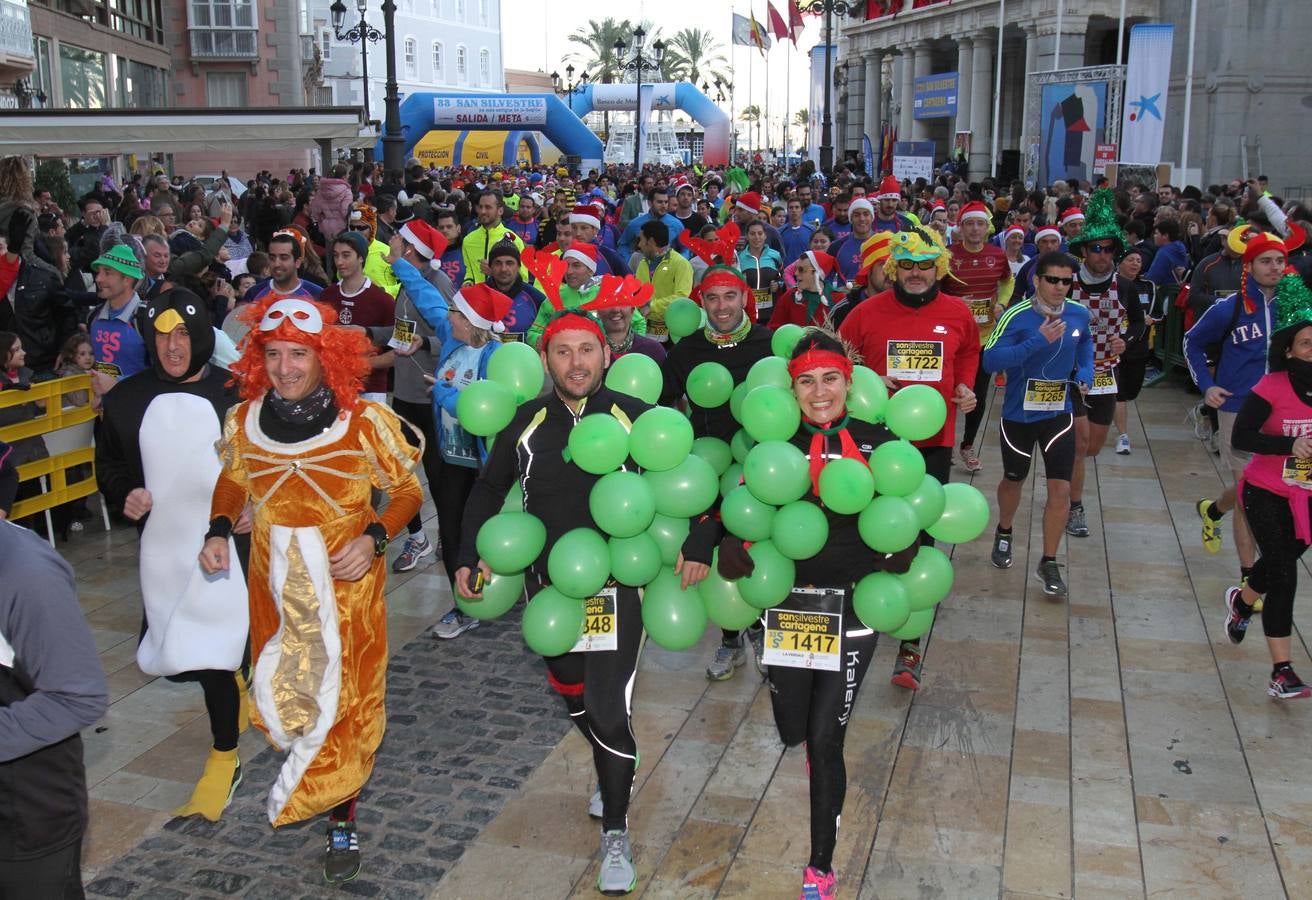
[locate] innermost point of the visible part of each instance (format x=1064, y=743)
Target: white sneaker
x=454, y=624
x=1123, y=445
x=617, y=875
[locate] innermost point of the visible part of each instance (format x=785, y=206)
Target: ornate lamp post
x=361, y=33
x=636, y=66
x=829, y=8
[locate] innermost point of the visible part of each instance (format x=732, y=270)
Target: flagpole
x=751, y=69
x=767, y=103
x=1189, y=92
x=788, y=87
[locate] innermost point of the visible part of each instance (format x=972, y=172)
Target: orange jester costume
x=318, y=644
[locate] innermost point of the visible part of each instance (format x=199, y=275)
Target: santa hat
x=1046, y=231
x=822, y=261
x=858, y=204
x=889, y=189
x=585, y=215
x=974, y=210
x=1073, y=214
x=938, y=204
x=1014, y=229
x=427, y=241
x=584, y=253
x=483, y=305
x=750, y=201
x=680, y=183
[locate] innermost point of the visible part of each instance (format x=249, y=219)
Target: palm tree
x=749, y=115
x=695, y=55
x=802, y=117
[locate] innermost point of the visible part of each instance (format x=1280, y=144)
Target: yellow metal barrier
x=57, y=416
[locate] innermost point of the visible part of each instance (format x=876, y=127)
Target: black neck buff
x=915, y=301
x=1300, y=378
x=291, y=421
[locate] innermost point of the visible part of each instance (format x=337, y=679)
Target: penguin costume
x=159, y=436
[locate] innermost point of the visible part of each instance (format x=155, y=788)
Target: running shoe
x=1197, y=417
x=341, y=861
x=817, y=885
x=453, y=624
x=416, y=547
x=1076, y=526
x=1212, y=446
x=1236, y=623
x=617, y=875
x=1211, y=527
x=1123, y=445
x=1001, y=551
x=726, y=660
x=1286, y=685
x=970, y=460
x=1050, y=575
x=906, y=671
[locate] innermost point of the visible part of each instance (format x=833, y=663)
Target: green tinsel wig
x=1293, y=313
x=1100, y=221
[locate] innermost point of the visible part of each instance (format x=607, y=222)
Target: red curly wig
x=343, y=353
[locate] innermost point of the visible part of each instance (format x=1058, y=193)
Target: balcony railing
x=15, y=29
x=224, y=43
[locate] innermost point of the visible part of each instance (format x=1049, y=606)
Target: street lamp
x=361, y=33
x=829, y=8
x=723, y=89
x=636, y=66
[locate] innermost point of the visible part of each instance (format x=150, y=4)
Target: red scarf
x=819, y=438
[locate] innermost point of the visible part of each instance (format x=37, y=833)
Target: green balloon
x=916, y=412
x=929, y=579
x=579, y=563
x=846, y=486
x=674, y=618
x=736, y=402
x=880, y=601
x=898, y=467
x=771, y=580
x=485, y=407
x=714, y=451
x=799, y=530
x=683, y=317
x=888, y=525
x=634, y=560
x=709, y=385
x=636, y=375
x=917, y=625
x=661, y=438
x=965, y=515
x=510, y=541
x=598, y=444
x=500, y=593
x=669, y=533
x=867, y=396
x=770, y=413
x=622, y=504
x=732, y=478
x=724, y=604
x=777, y=472
x=689, y=489
x=769, y=370
x=552, y=623
x=927, y=500
x=785, y=339
x=519, y=367
x=745, y=516
x=514, y=501
x=741, y=444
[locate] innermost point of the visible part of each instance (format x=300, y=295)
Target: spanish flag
x=759, y=37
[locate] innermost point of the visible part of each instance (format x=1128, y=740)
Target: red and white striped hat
x=585, y=215
x=584, y=253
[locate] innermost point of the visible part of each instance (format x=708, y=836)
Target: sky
x=535, y=37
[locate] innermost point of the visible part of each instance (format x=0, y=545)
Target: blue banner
x=936, y=96
x=868, y=154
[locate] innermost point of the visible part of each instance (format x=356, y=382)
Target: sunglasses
x=1057, y=279
x=924, y=265
x=1100, y=248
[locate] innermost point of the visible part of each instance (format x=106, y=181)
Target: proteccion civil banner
x=1147, y=82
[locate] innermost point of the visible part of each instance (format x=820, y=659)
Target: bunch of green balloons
x=514, y=374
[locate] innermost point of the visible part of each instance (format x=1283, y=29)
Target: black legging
x=597, y=688
x=55, y=876
x=815, y=706
x=452, y=492
x=976, y=416
x=420, y=415
x=1275, y=575
x=222, y=702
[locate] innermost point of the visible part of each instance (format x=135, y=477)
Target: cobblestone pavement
x=456, y=749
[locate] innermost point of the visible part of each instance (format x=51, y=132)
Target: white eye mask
x=301, y=313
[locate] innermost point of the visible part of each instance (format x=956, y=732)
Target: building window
x=462, y=65
x=411, y=59
x=460, y=10
x=81, y=77
x=482, y=12
x=139, y=86
x=326, y=45
x=439, y=71
x=41, y=78
x=223, y=29
x=484, y=66
x=225, y=88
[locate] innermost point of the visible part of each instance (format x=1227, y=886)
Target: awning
x=107, y=132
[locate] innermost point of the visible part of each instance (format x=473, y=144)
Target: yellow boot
x=214, y=791
x=243, y=702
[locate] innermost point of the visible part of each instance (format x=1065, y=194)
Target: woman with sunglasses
x=913, y=333
x=307, y=450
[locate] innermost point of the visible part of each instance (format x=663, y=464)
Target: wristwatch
x=380, y=546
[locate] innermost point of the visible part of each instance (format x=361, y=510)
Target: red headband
x=570, y=321
x=820, y=359
x=723, y=278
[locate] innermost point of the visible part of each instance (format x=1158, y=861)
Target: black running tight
x=222, y=702
x=420, y=415
x=975, y=417
x=1275, y=576
x=815, y=706
x=597, y=688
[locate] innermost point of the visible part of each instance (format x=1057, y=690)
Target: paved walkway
x=1113, y=746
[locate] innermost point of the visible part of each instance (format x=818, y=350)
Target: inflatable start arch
x=663, y=98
